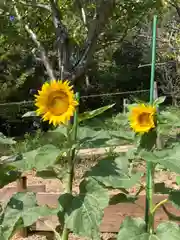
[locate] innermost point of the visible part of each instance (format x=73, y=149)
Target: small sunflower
x=142, y=118
x=56, y=102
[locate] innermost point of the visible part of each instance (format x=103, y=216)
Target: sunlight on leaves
x=91, y=114
x=134, y=229
x=114, y=173
x=86, y=210
x=22, y=206
x=38, y=159
x=6, y=141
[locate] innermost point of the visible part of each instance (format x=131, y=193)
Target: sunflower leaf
x=30, y=114
x=174, y=197
x=58, y=135
x=148, y=140
x=39, y=159
x=21, y=210
x=6, y=141
x=114, y=173
x=178, y=180
x=135, y=229
x=159, y=100
x=168, y=231
x=122, y=198
x=8, y=175
x=91, y=114
x=90, y=138
x=85, y=211
x=169, y=158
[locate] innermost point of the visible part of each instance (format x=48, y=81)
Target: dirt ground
x=54, y=186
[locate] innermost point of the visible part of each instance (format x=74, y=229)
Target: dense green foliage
x=100, y=46
x=112, y=66
x=100, y=51
x=82, y=212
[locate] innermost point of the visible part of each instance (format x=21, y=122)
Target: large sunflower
x=142, y=118
x=56, y=102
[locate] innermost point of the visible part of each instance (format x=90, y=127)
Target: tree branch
x=33, y=36
x=62, y=37
x=103, y=13
x=39, y=5
x=175, y=4
x=83, y=14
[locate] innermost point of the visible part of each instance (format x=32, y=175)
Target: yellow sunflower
x=142, y=118
x=56, y=102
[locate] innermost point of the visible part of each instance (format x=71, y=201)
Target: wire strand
x=113, y=94
x=82, y=97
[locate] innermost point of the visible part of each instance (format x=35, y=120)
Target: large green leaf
x=118, y=136
x=86, y=133
x=169, y=158
x=148, y=156
x=65, y=201
x=114, y=173
x=94, y=113
x=122, y=198
x=172, y=164
x=114, y=142
x=121, y=120
x=148, y=140
x=22, y=210
x=11, y=158
x=161, y=188
x=6, y=141
x=57, y=171
x=169, y=118
x=84, y=214
x=87, y=137
x=39, y=159
x=8, y=175
x=168, y=231
x=174, y=197
x=178, y=180
x=134, y=229
x=29, y=114
x=49, y=173
x=159, y=100
x=61, y=130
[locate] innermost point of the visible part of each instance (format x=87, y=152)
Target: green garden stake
x=153, y=61
x=150, y=168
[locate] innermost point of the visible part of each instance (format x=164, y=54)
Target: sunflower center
x=144, y=118
x=58, y=103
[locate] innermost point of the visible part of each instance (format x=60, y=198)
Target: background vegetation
x=101, y=46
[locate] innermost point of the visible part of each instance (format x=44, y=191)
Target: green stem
x=71, y=154
x=75, y=128
x=149, y=197
x=158, y=205
x=149, y=216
